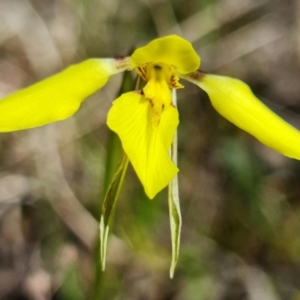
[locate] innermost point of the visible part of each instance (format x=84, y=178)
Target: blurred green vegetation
x=240, y=201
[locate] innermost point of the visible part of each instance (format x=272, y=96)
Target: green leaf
x=174, y=207
x=109, y=203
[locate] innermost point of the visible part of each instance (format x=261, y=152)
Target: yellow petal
x=146, y=145
x=57, y=97
x=234, y=100
x=172, y=50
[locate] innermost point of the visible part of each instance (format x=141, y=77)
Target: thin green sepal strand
x=109, y=203
x=174, y=205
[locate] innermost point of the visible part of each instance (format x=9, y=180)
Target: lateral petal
x=57, y=97
x=234, y=100
x=146, y=145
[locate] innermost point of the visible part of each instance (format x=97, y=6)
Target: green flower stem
x=111, y=185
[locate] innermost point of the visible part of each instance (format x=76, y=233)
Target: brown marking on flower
x=174, y=82
x=151, y=102
x=122, y=62
x=140, y=92
x=142, y=70
x=197, y=75
x=120, y=58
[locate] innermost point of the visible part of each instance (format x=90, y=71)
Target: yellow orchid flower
x=146, y=120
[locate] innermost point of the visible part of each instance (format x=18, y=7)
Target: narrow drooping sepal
x=109, y=203
x=174, y=205
x=57, y=97
x=234, y=100
x=146, y=143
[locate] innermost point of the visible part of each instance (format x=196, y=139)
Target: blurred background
x=240, y=200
